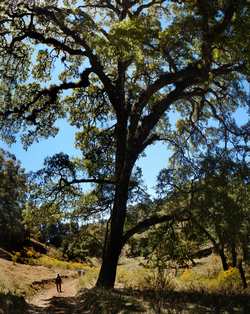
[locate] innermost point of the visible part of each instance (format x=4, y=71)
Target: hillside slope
x=25, y=279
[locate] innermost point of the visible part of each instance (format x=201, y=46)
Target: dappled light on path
x=50, y=298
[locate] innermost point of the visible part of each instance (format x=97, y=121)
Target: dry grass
x=137, y=290
x=52, y=262
x=129, y=275
x=132, y=275
x=208, y=277
x=90, y=277
x=17, y=278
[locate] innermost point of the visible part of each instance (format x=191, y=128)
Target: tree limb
x=94, y=60
x=90, y=180
x=152, y=221
x=52, y=93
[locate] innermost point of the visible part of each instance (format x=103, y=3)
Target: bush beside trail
x=12, y=304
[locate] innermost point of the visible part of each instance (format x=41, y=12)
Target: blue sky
x=32, y=159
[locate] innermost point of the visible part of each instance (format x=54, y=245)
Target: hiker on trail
x=58, y=283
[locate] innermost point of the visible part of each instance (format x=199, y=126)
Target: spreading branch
x=51, y=93
x=152, y=221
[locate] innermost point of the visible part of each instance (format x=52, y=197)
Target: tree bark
x=245, y=249
x=234, y=255
x=223, y=259
x=242, y=274
x=114, y=245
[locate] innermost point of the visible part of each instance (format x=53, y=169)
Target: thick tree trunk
x=107, y=273
x=223, y=259
x=114, y=243
x=234, y=255
x=123, y=169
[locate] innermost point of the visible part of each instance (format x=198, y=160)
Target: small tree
x=12, y=201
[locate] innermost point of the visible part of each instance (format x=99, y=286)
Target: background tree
x=115, y=70
x=13, y=190
x=87, y=242
x=214, y=185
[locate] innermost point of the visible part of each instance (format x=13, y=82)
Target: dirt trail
x=42, y=299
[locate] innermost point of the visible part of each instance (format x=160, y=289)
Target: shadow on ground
x=91, y=301
x=191, y=302
x=11, y=304
x=57, y=305
x=97, y=301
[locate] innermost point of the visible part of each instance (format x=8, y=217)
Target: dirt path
x=42, y=299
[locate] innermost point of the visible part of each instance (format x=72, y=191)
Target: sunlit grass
x=89, y=279
x=128, y=277
x=223, y=281
x=48, y=261
x=15, y=287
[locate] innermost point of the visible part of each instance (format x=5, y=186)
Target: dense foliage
x=12, y=201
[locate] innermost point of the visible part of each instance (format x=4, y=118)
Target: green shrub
x=16, y=257
x=12, y=304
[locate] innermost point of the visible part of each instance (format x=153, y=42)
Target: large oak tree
x=116, y=69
